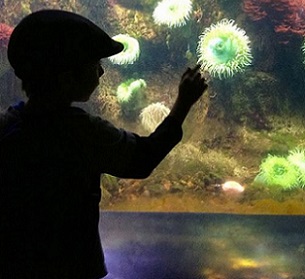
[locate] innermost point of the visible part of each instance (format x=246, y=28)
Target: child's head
x=49, y=43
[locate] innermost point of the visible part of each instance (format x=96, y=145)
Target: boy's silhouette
x=52, y=154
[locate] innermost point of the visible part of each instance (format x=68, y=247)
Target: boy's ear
x=67, y=85
x=67, y=82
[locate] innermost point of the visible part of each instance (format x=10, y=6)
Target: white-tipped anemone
x=297, y=158
x=224, y=49
x=130, y=53
x=303, y=50
x=153, y=115
x=173, y=13
x=127, y=90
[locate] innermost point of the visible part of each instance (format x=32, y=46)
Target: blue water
x=202, y=246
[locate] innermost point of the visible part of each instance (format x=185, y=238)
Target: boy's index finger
x=196, y=68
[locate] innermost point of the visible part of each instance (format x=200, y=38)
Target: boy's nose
x=100, y=71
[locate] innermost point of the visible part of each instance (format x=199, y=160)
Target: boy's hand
x=192, y=86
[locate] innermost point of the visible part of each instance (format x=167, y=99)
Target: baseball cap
x=57, y=40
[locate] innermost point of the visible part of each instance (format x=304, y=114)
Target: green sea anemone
x=278, y=171
x=152, y=115
x=173, y=13
x=223, y=49
x=130, y=53
x=130, y=95
x=297, y=158
x=128, y=89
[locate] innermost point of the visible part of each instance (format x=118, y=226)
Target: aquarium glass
x=243, y=149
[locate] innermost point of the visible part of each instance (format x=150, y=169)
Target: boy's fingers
x=186, y=72
x=196, y=68
x=191, y=71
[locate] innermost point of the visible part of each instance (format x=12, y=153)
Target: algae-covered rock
x=251, y=98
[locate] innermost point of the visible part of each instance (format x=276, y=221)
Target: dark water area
x=195, y=246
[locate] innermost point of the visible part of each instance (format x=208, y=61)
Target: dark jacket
x=50, y=167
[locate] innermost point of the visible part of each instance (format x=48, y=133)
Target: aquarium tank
x=243, y=149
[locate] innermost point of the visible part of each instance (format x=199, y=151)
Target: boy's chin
x=82, y=99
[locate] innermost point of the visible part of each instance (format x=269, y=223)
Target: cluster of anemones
x=173, y=13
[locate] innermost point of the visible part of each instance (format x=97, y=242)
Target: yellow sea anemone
x=223, y=49
x=130, y=53
x=173, y=13
x=153, y=115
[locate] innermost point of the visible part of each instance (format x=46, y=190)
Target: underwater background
x=243, y=149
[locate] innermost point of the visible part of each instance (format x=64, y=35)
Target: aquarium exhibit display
x=243, y=149
x=228, y=202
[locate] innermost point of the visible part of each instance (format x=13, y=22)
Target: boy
x=52, y=154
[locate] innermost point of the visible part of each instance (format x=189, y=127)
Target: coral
x=286, y=16
x=5, y=33
x=130, y=53
x=173, y=13
x=278, y=171
x=223, y=49
x=130, y=96
x=153, y=115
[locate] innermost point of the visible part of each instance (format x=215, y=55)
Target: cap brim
x=117, y=47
